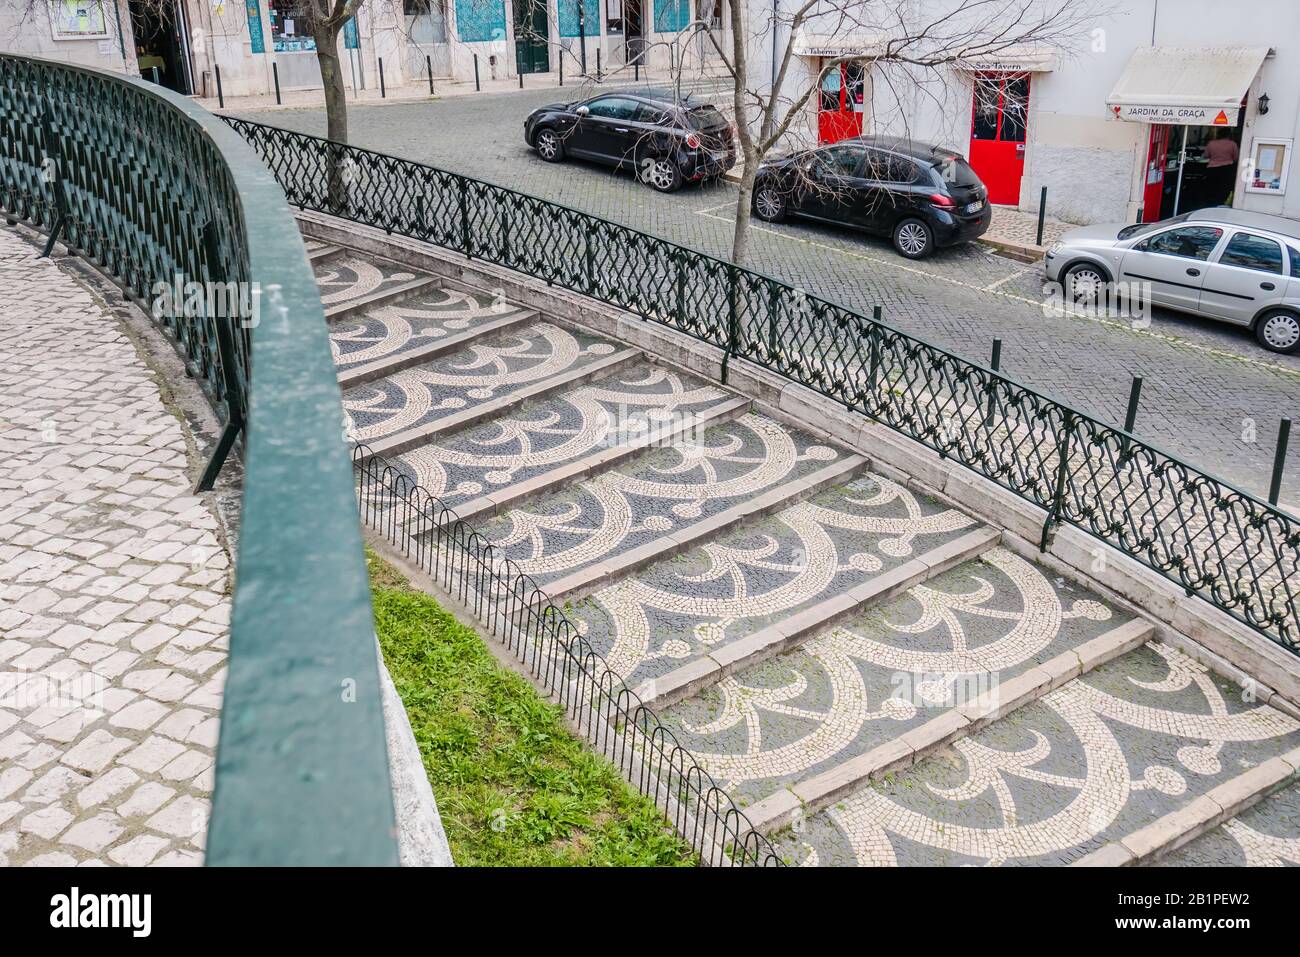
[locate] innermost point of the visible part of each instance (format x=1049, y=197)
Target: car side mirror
x=583, y=110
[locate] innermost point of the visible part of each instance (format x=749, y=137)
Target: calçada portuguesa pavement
x=114, y=588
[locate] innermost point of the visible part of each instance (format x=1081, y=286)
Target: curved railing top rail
x=1212, y=538
x=154, y=188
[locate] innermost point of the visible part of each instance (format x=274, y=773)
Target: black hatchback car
x=920, y=196
x=667, y=141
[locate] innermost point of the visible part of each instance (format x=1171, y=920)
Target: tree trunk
x=740, y=238
x=336, y=116
x=331, y=74
x=744, y=209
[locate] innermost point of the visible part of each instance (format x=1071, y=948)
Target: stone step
x=319, y=252
x=543, y=436
x=394, y=337
x=348, y=277
x=761, y=573
x=664, y=500
x=979, y=694
x=1262, y=831
x=1094, y=761
x=386, y=295
x=781, y=635
x=487, y=377
x=674, y=430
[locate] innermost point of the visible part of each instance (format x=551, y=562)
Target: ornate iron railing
x=611, y=716
x=1215, y=540
x=159, y=194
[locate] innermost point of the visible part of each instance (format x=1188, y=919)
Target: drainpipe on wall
x=121, y=40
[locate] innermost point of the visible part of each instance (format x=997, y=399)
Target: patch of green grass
x=514, y=786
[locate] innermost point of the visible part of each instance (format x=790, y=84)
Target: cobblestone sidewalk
x=113, y=590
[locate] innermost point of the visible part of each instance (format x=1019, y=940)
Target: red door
x=1157, y=154
x=999, y=117
x=839, y=112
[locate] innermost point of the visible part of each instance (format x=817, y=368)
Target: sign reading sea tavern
x=1184, y=115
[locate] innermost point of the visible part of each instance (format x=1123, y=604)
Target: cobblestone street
x=114, y=599
x=1211, y=394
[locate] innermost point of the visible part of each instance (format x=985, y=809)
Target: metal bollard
x=428, y=63
x=383, y=93
x=275, y=74
x=477, y=85
x=1042, y=214
x=1279, y=460
x=221, y=100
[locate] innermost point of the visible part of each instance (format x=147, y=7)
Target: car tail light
x=939, y=199
x=693, y=141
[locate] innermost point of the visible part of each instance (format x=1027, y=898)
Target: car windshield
x=706, y=118
x=1137, y=229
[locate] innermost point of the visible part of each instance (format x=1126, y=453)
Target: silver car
x=1223, y=263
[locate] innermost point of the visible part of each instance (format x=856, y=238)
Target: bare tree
x=916, y=46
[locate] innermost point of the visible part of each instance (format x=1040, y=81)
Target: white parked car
x=1221, y=263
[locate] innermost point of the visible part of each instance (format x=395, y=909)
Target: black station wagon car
x=668, y=141
x=920, y=196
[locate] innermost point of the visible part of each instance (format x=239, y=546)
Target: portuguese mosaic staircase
x=868, y=672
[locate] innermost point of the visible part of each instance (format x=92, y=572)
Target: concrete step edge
x=380, y=297
x=1226, y=800
x=379, y=368
x=419, y=435
x=687, y=679
x=820, y=790
x=570, y=472
x=584, y=581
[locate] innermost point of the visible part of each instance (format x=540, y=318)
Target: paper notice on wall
x=288, y=28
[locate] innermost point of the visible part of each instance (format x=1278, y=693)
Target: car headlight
x=1055, y=248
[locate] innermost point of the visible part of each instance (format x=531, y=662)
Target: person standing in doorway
x=1221, y=154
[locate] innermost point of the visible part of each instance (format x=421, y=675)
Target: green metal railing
x=1216, y=541
x=158, y=193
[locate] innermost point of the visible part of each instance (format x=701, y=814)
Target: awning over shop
x=1011, y=59
x=859, y=43
x=1191, y=86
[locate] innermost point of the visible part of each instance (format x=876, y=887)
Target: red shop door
x=999, y=115
x=839, y=111
x=1153, y=193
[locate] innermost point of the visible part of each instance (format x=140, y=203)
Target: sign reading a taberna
x=254, y=9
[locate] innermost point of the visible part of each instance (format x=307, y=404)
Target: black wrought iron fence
x=163, y=197
x=611, y=716
x=1213, y=539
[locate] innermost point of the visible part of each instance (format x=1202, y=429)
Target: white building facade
x=253, y=43
x=1116, y=127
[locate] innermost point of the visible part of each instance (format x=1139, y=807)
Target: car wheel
x=1085, y=283
x=549, y=146
x=769, y=204
x=1278, y=331
x=663, y=175
x=913, y=239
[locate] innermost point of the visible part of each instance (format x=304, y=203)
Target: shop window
x=614, y=17
x=1189, y=242
x=671, y=16
x=710, y=11
x=78, y=19
x=426, y=20
x=289, y=30
x=1015, y=103
x=830, y=91
x=481, y=20
x=1253, y=252
x=988, y=99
